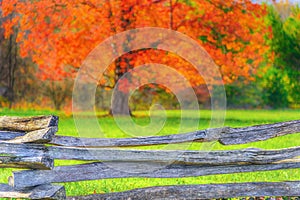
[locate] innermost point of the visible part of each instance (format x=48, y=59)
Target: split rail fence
x=31, y=143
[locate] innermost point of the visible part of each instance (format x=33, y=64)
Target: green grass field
x=234, y=118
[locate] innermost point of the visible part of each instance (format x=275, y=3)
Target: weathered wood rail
x=31, y=143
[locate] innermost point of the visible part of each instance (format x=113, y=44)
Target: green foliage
x=276, y=85
x=286, y=46
x=241, y=94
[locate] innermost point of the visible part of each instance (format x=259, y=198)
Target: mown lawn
x=234, y=118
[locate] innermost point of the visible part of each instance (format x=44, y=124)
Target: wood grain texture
x=43, y=162
x=244, y=156
x=8, y=135
x=138, y=141
x=225, y=135
x=23, y=150
x=209, y=191
x=259, y=132
x=96, y=171
x=40, y=192
x=40, y=136
x=238, y=157
x=27, y=123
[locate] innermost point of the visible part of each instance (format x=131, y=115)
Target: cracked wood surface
x=27, y=123
x=225, y=135
x=96, y=171
x=39, y=192
x=40, y=136
x=207, y=191
x=243, y=156
x=41, y=162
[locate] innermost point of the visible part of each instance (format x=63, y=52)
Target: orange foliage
x=59, y=34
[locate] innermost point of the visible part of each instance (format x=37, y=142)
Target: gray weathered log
x=23, y=150
x=138, y=141
x=95, y=171
x=226, y=136
x=208, y=191
x=8, y=135
x=40, y=192
x=244, y=156
x=27, y=123
x=259, y=133
x=43, y=162
x=40, y=136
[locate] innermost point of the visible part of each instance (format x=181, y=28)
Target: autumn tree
x=282, y=80
x=58, y=35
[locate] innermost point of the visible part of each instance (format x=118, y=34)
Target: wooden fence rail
x=31, y=143
x=219, y=191
x=226, y=136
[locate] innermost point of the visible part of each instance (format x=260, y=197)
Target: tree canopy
x=58, y=35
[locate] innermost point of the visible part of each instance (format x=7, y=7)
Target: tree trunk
x=120, y=104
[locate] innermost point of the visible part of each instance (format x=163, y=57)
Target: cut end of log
x=48, y=162
x=53, y=120
x=11, y=181
x=60, y=194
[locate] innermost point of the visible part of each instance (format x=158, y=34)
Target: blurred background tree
x=282, y=81
x=250, y=83
x=277, y=85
